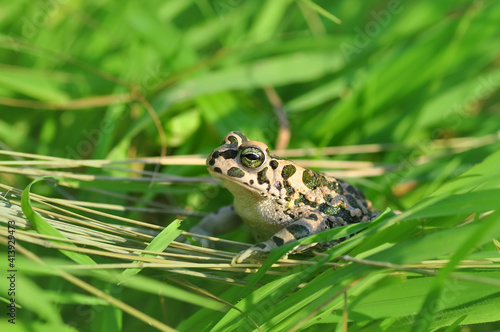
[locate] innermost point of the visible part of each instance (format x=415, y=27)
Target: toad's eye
x=252, y=157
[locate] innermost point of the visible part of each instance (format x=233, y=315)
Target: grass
x=116, y=105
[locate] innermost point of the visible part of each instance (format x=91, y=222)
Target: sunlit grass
x=120, y=102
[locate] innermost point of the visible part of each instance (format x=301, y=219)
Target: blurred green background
x=77, y=78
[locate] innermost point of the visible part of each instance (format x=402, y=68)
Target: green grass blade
x=159, y=243
x=484, y=229
x=320, y=10
x=43, y=227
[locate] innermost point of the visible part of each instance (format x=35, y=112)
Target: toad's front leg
x=219, y=222
x=299, y=229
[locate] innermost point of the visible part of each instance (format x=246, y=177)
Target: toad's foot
x=258, y=250
x=261, y=250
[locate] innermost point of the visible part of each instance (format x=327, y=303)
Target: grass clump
x=117, y=105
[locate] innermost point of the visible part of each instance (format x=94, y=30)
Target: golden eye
x=252, y=157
